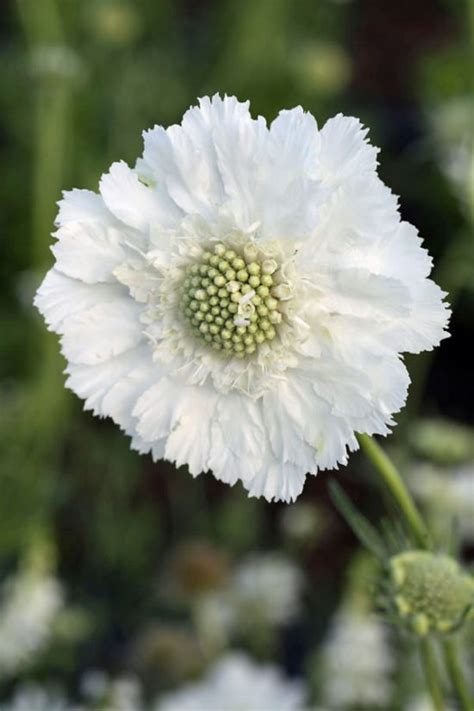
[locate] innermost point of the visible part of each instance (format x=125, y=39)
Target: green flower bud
x=431, y=592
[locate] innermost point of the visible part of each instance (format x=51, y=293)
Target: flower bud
x=431, y=592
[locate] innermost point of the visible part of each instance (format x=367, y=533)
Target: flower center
x=233, y=301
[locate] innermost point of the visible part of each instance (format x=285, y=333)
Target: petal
x=345, y=150
x=102, y=332
x=59, y=297
x=276, y=481
x=401, y=255
x=184, y=415
x=238, y=438
x=426, y=324
x=135, y=204
x=362, y=294
x=81, y=206
x=92, y=383
x=89, y=251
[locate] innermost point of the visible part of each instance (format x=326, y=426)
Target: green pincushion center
x=232, y=301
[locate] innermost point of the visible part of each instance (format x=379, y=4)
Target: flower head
x=238, y=301
x=237, y=683
x=29, y=605
x=431, y=592
x=348, y=677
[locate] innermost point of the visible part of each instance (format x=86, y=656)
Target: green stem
x=451, y=657
x=393, y=480
x=430, y=670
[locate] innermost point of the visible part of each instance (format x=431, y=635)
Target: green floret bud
x=254, y=268
x=238, y=263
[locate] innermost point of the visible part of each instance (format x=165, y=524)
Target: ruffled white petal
x=60, y=297
x=81, y=206
x=89, y=251
x=345, y=150
x=92, y=383
x=131, y=201
x=102, y=332
x=182, y=415
x=239, y=439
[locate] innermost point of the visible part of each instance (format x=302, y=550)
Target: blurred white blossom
x=268, y=586
x=120, y=694
x=302, y=523
x=56, y=60
x=265, y=590
x=423, y=703
x=236, y=683
x=32, y=697
x=215, y=618
x=454, y=134
x=356, y=662
x=449, y=493
x=29, y=604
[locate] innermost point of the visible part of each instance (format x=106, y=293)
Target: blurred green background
x=128, y=552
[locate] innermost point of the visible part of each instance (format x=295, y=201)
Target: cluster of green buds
x=431, y=592
x=233, y=301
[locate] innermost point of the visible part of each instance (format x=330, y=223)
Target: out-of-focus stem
x=43, y=31
x=456, y=674
x=431, y=674
x=397, y=487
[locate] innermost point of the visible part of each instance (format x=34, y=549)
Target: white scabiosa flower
x=29, y=604
x=423, y=702
x=238, y=301
x=356, y=663
x=236, y=683
x=268, y=588
x=33, y=697
x=264, y=591
x=120, y=694
x=449, y=494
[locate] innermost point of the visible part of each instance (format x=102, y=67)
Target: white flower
x=120, y=694
x=29, y=604
x=236, y=683
x=215, y=619
x=452, y=127
x=423, y=703
x=32, y=697
x=449, y=493
x=268, y=587
x=356, y=663
x=264, y=590
x=238, y=301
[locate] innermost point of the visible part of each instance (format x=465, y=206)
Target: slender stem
x=397, y=487
x=451, y=657
x=430, y=670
